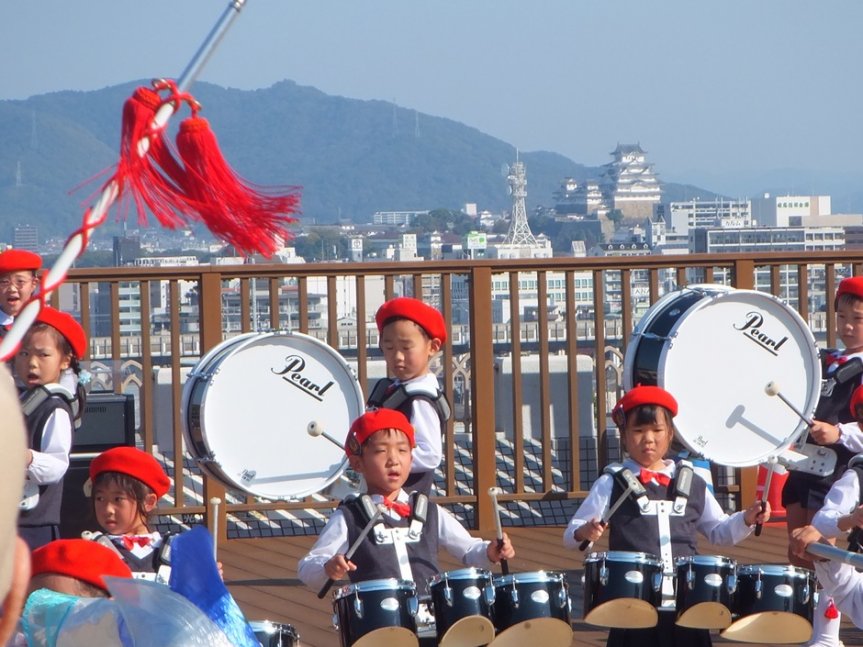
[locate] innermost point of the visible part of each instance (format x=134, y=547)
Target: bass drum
x=716, y=349
x=247, y=407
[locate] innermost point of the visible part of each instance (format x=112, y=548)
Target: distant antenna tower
x=19, y=177
x=519, y=231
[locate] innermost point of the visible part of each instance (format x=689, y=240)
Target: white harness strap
x=664, y=510
x=399, y=538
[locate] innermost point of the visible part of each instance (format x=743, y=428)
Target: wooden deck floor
x=262, y=576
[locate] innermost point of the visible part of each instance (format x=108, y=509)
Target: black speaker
x=108, y=421
x=76, y=512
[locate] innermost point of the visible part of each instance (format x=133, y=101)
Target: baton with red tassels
x=199, y=186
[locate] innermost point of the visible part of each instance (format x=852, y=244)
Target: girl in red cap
x=644, y=416
x=18, y=282
x=125, y=486
x=53, y=344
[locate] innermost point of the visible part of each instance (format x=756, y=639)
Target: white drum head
x=248, y=404
x=720, y=356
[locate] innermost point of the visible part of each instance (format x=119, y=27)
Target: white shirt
x=428, y=453
x=51, y=460
x=333, y=540
x=717, y=526
x=845, y=584
x=842, y=498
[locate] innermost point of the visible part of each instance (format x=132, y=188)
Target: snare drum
x=725, y=414
x=274, y=634
x=774, y=603
x=247, y=406
x=622, y=590
x=705, y=591
x=532, y=606
x=377, y=612
x=462, y=602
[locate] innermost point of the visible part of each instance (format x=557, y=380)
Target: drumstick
x=835, y=554
x=359, y=540
x=493, y=492
x=215, y=502
x=315, y=429
x=605, y=518
x=772, y=388
x=770, y=469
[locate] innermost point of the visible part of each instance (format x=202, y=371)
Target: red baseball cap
x=852, y=285
x=18, y=260
x=67, y=326
x=426, y=317
x=640, y=395
x=135, y=463
x=373, y=421
x=82, y=559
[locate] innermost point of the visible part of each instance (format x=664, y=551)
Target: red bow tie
x=129, y=541
x=836, y=360
x=401, y=509
x=646, y=476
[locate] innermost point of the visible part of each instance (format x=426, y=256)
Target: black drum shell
x=275, y=634
x=461, y=582
x=618, y=586
x=702, y=566
x=801, y=582
x=505, y=613
x=372, y=594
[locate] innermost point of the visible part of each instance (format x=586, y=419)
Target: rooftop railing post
x=482, y=395
x=744, y=279
x=211, y=336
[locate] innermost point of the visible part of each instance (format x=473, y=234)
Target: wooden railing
x=128, y=351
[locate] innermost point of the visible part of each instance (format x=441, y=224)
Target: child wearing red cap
x=75, y=567
x=644, y=416
x=411, y=334
x=404, y=543
x=54, y=343
x=18, y=281
x=803, y=494
x=125, y=486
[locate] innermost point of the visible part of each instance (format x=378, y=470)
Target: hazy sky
x=711, y=89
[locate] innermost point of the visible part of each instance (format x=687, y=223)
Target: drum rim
x=775, y=569
x=266, y=625
x=469, y=573
x=530, y=577
x=705, y=560
x=624, y=556
x=196, y=388
x=384, y=584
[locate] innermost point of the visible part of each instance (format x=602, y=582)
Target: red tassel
x=233, y=209
x=141, y=175
x=831, y=612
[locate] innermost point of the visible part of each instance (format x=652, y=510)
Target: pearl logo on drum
x=292, y=373
x=752, y=329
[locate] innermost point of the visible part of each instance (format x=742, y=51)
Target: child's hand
x=496, y=553
x=590, y=531
x=800, y=540
x=824, y=433
x=337, y=567
x=753, y=513
x=221, y=571
x=852, y=520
